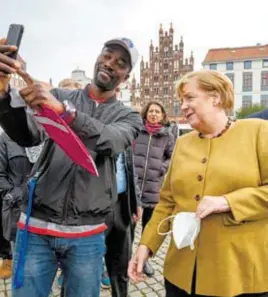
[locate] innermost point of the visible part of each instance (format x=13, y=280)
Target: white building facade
x=123, y=93
x=80, y=76
x=247, y=68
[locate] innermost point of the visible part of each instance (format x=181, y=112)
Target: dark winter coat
x=14, y=170
x=152, y=155
x=132, y=202
x=259, y=115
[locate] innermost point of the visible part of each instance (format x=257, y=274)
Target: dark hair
x=146, y=108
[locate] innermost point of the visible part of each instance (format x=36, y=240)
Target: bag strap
x=19, y=271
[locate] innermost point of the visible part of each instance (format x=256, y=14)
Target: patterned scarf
x=34, y=152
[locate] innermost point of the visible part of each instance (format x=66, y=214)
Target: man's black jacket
x=66, y=193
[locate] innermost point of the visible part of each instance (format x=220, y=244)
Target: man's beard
x=105, y=86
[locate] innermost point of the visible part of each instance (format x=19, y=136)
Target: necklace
x=227, y=126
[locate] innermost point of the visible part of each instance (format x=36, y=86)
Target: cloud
x=63, y=34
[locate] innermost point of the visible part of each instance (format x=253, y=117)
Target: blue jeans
x=80, y=260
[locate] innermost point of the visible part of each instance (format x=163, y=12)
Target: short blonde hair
x=210, y=81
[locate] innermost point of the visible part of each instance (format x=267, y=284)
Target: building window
x=156, y=91
x=246, y=101
x=247, y=64
x=165, y=51
x=229, y=66
x=264, y=81
x=176, y=76
x=147, y=92
x=165, y=77
x=213, y=66
x=176, y=64
x=166, y=104
x=146, y=80
x=264, y=100
x=165, y=91
x=165, y=65
x=156, y=77
x=247, y=81
x=265, y=63
x=156, y=66
x=231, y=77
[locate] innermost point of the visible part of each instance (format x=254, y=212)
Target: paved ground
x=151, y=287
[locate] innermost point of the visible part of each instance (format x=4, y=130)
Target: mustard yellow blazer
x=231, y=251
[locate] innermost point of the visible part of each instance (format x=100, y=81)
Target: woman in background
x=152, y=152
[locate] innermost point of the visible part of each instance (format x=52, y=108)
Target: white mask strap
x=158, y=228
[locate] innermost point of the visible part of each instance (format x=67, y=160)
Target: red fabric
x=60, y=132
x=151, y=129
x=55, y=233
x=93, y=97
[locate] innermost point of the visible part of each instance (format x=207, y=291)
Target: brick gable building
x=158, y=76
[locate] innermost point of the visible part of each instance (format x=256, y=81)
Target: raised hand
x=8, y=66
x=37, y=94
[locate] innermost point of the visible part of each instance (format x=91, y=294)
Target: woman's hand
x=212, y=204
x=135, y=266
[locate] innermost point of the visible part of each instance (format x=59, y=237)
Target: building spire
x=192, y=58
x=181, y=43
x=161, y=29
x=171, y=30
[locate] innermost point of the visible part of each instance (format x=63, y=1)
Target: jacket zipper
x=146, y=164
x=65, y=206
x=66, y=201
x=108, y=171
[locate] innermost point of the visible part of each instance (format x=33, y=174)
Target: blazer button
x=199, y=177
x=204, y=160
x=197, y=197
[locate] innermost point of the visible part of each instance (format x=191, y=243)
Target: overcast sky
x=63, y=34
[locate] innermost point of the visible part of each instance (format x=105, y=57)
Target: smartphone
x=14, y=37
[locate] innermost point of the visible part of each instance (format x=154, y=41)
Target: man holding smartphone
x=70, y=206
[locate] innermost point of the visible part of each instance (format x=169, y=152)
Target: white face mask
x=185, y=229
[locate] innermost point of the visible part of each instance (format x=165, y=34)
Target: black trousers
x=119, y=239
x=173, y=291
x=5, y=247
x=146, y=216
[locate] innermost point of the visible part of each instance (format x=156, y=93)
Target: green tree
x=245, y=111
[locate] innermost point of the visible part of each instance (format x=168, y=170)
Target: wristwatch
x=69, y=113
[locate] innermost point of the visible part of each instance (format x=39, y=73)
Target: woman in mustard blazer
x=219, y=171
